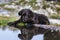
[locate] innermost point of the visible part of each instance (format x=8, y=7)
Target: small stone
x=52, y=30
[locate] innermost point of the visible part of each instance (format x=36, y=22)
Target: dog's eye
x=23, y=14
x=30, y=15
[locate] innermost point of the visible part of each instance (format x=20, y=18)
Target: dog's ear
x=24, y=10
x=20, y=12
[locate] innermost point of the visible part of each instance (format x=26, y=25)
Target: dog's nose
x=25, y=18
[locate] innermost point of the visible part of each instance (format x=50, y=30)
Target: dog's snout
x=25, y=18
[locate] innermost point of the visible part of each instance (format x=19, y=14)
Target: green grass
x=10, y=9
x=55, y=24
x=2, y=5
x=21, y=24
x=55, y=16
x=4, y=20
x=11, y=19
x=56, y=3
x=45, y=6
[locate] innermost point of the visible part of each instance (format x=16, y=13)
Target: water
x=8, y=35
x=38, y=37
x=13, y=35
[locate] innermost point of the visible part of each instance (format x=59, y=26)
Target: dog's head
x=26, y=14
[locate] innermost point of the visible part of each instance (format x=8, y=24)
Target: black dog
x=30, y=17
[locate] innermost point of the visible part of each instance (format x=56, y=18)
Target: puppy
x=30, y=17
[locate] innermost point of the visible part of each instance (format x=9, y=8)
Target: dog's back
x=40, y=19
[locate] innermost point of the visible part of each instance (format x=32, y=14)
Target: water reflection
x=48, y=35
x=35, y=37
x=10, y=33
x=27, y=34
x=38, y=37
x=52, y=36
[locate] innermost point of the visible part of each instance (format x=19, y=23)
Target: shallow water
x=13, y=35
x=8, y=35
